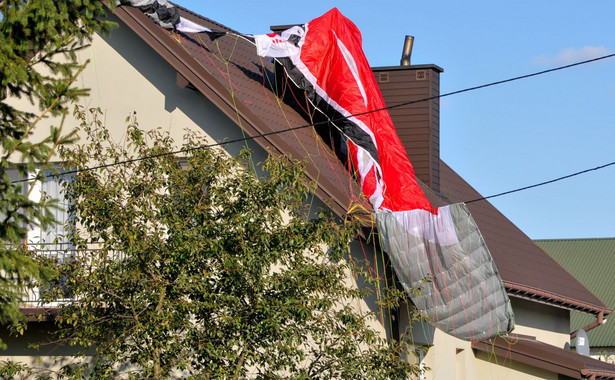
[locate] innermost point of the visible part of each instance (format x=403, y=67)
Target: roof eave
x=541, y=355
x=188, y=67
x=523, y=291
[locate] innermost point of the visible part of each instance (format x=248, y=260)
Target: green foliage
x=10, y=370
x=16, y=370
x=38, y=66
x=195, y=267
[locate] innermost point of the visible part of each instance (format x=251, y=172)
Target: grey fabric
x=160, y=11
x=460, y=289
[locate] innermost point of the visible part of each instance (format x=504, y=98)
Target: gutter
x=600, y=320
x=591, y=374
x=536, y=294
x=524, y=291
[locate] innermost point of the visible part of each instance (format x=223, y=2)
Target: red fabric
x=335, y=77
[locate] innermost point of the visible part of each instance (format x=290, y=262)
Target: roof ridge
x=575, y=239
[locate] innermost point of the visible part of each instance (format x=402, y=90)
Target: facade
x=591, y=262
x=223, y=90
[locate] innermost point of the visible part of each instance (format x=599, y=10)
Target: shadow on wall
x=192, y=103
x=373, y=264
x=48, y=356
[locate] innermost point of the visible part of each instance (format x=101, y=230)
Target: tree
x=38, y=40
x=194, y=266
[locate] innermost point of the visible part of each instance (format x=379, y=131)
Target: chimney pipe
x=407, y=52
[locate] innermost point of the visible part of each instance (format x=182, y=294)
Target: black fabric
x=349, y=129
x=215, y=34
x=165, y=14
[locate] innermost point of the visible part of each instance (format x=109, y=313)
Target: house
x=223, y=90
x=591, y=262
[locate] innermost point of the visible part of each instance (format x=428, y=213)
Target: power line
x=504, y=193
x=262, y=135
x=542, y=183
x=103, y=166
x=471, y=201
x=510, y=79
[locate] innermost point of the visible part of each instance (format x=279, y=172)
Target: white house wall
x=452, y=358
x=126, y=77
x=548, y=324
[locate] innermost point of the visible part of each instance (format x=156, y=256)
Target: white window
x=55, y=237
x=52, y=238
x=52, y=241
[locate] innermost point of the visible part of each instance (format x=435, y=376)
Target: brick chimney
x=417, y=124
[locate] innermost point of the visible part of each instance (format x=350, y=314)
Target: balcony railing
x=32, y=297
x=59, y=254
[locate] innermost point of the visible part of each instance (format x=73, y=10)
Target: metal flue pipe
x=407, y=52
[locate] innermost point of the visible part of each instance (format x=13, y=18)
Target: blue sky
x=507, y=136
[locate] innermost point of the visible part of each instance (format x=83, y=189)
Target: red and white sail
x=463, y=295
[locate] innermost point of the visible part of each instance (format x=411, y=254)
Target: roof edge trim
x=525, y=291
x=188, y=67
x=542, y=355
x=428, y=66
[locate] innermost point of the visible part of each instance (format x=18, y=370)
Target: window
x=54, y=237
x=52, y=241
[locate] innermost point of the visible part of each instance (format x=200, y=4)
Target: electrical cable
x=542, y=183
x=262, y=135
x=506, y=80
x=515, y=190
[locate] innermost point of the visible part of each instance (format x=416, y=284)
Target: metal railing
x=60, y=254
x=32, y=296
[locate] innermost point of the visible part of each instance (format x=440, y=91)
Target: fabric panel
x=461, y=290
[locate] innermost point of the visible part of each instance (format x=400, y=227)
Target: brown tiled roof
x=526, y=270
x=39, y=314
x=545, y=356
x=230, y=74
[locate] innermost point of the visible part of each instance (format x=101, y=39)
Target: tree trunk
x=156, y=364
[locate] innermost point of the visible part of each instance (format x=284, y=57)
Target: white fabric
x=446, y=257
x=353, y=67
x=187, y=26
x=278, y=46
x=438, y=228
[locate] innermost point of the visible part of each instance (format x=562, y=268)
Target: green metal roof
x=592, y=262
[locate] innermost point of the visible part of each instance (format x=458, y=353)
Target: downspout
x=600, y=320
x=588, y=374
